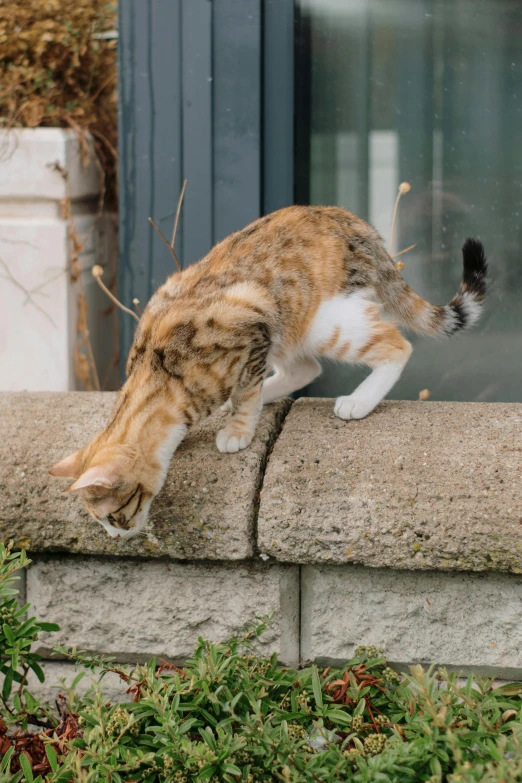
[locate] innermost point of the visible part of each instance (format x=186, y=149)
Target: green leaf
x=8, y=633
x=77, y=679
x=360, y=707
x=49, y=627
x=26, y=768
x=316, y=686
x=31, y=702
x=4, y=766
x=8, y=684
x=51, y=755
x=207, y=772
x=435, y=766
x=231, y=769
x=38, y=671
x=338, y=716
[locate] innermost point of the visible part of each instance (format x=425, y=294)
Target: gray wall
x=191, y=95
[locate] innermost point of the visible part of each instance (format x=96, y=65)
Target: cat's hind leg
x=290, y=378
x=352, y=330
x=387, y=353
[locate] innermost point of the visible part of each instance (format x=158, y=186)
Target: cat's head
x=116, y=489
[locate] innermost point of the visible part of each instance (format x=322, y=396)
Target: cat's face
x=112, y=489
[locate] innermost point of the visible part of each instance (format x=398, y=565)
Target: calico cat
x=300, y=283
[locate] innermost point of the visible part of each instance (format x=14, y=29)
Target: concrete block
x=38, y=297
x=418, y=485
x=469, y=622
x=205, y=511
x=133, y=610
x=27, y=173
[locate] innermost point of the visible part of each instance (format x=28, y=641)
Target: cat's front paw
x=352, y=408
x=229, y=440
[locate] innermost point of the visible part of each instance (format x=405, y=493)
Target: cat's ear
x=97, y=476
x=70, y=467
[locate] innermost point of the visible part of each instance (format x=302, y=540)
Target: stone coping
x=206, y=510
x=416, y=485
x=27, y=173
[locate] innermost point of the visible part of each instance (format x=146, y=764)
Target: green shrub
x=231, y=715
x=17, y=634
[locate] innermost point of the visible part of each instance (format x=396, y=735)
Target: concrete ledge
x=133, y=610
x=205, y=511
x=416, y=485
x=469, y=622
x=364, y=517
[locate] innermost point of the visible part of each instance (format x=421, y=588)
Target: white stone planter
x=38, y=331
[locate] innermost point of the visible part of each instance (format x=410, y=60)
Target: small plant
x=58, y=69
x=232, y=715
x=22, y=716
x=17, y=635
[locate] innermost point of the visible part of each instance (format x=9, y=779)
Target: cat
x=301, y=283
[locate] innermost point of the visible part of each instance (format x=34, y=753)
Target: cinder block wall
x=403, y=530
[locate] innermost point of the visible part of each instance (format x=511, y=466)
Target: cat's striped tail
x=463, y=310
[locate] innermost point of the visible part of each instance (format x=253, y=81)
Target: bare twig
x=112, y=149
x=91, y=361
x=404, y=187
x=162, y=235
x=74, y=263
x=97, y=272
x=175, y=231
x=406, y=250
x=103, y=85
x=180, y=201
x=84, y=365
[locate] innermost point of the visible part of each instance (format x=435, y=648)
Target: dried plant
x=58, y=69
x=97, y=271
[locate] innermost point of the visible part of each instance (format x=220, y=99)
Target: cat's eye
x=110, y=518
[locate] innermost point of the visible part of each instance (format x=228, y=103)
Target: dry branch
x=171, y=244
x=404, y=187
x=178, y=210
x=97, y=272
x=171, y=249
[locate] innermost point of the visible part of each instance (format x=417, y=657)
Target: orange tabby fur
x=299, y=283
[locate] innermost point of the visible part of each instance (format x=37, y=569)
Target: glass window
x=427, y=92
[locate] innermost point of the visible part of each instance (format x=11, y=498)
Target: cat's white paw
x=352, y=408
x=227, y=406
x=228, y=441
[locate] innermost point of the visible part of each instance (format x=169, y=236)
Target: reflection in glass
x=428, y=92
